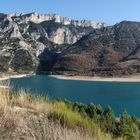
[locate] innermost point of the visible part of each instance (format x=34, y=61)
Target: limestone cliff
x=38, y=18
x=61, y=35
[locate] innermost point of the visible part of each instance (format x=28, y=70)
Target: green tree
x=108, y=120
x=99, y=109
x=127, y=128
x=91, y=110
x=80, y=107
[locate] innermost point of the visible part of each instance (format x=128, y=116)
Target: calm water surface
x=119, y=95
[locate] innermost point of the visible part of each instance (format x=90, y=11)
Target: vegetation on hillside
x=26, y=117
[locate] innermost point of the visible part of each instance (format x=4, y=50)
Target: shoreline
x=134, y=78
x=13, y=76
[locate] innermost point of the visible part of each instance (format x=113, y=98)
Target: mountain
x=54, y=27
x=23, y=37
x=51, y=44
x=109, y=51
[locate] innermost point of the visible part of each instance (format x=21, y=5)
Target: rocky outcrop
x=38, y=18
x=63, y=33
x=64, y=36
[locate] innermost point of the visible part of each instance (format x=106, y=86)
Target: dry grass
x=25, y=117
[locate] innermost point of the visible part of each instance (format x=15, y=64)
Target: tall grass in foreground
x=26, y=117
x=75, y=120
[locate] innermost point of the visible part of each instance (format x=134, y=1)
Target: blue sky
x=109, y=11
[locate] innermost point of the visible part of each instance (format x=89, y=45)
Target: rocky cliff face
x=61, y=34
x=23, y=37
x=48, y=43
x=38, y=18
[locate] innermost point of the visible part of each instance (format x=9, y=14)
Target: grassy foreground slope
x=26, y=117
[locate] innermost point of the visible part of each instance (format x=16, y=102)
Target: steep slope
x=24, y=37
x=58, y=29
x=108, y=51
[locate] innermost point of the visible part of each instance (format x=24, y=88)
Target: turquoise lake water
x=119, y=95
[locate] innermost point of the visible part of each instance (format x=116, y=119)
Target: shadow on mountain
x=46, y=61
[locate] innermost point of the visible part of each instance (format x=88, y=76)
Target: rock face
x=61, y=34
x=23, y=37
x=49, y=43
x=38, y=18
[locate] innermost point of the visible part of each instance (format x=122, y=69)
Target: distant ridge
x=37, y=18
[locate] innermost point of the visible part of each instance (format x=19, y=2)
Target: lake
x=119, y=95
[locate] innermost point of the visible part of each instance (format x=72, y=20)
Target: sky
x=108, y=11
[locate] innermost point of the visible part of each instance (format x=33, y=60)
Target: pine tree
x=127, y=128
